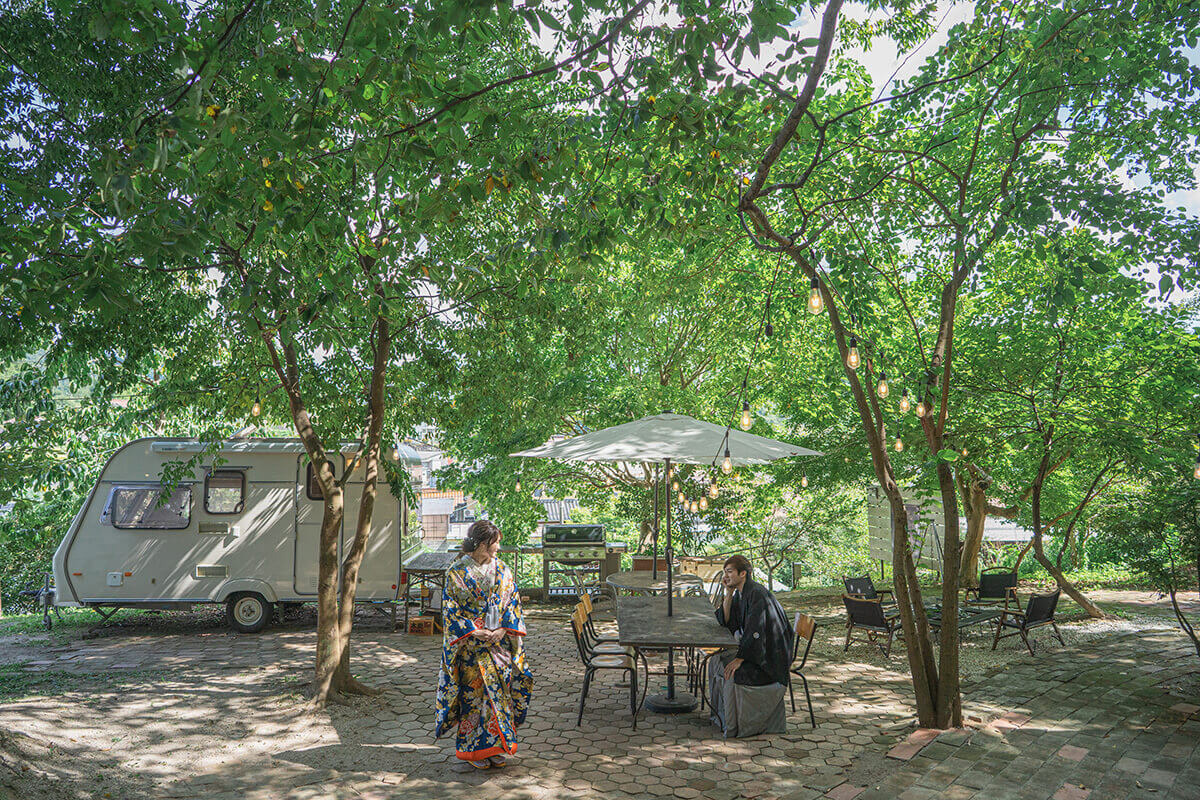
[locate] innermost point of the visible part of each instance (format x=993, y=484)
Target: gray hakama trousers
x=741, y=711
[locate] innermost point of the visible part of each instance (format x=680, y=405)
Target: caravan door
x=379, y=574
x=310, y=509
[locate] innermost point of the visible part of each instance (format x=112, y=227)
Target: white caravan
x=242, y=530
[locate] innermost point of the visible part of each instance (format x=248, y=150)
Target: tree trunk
x=368, y=461
x=328, y=645
x=974, y=494
x=1038, y=552
x=949, y=698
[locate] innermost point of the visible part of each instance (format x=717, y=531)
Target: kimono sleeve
x=735, y=614
x=457, y=619
x=755, y=630
x=512, y=619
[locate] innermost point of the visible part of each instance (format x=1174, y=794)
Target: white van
x=241, y=531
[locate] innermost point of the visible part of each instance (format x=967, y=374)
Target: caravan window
x=225, y=491
x=139, y=507
x=312, y=486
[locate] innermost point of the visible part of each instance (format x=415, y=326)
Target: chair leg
x=1025, y=639
x=996, y=641
x=791, y=694
x=1054, y=625
x=811, y=716
x=887, y=653
x=633, y=688
x=587, y=680
x=849, y=630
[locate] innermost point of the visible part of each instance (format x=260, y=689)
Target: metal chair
x=594, y=661
x=805, y=628
x=1038, y=613
x=597, y=643
x=865, y=587
x=996, y=585
x=869, y=615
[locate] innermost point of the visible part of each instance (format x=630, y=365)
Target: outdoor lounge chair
x=997, y=585
x=805, y=628
x=865, y=587
x=594, y=662
x=1037, y=614
x=870, y=615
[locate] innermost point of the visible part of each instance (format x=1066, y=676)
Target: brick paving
x=215, y=715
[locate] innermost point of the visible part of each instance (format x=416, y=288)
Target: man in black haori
x=747, y=684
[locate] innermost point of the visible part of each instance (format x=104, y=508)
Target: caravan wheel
x=248, y=613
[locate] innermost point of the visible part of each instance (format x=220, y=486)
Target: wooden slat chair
x=805, y=628
x=589, y=609
x=997, y=585
x=1038, y=613
x=594, y=661
x=870, y=615
x=865, y=587
x=595, y=642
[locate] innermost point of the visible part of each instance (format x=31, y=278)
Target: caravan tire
x=248, y=612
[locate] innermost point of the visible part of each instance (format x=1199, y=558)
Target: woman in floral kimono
x=484, y=687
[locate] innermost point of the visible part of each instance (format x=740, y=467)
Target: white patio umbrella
x=668, y=438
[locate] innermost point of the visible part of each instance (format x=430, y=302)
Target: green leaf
x=948, y=455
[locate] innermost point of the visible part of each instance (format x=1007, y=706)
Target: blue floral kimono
x=483, y=690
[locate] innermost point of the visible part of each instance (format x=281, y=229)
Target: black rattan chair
x=869, y=615
x=1038, y=613
x=865, y=587
x=805, y=628
x=997, y=585
x=594, y=662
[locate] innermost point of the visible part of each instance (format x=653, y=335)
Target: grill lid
x=572, y=534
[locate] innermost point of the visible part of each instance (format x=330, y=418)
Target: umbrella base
x=681, y=703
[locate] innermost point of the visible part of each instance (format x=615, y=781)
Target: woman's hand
x=482, y=634
x=498, y=635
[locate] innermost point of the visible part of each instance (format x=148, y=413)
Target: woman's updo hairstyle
x=481, y=532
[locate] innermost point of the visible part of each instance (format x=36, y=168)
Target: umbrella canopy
x=682, y=439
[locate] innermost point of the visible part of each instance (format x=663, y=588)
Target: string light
x=804, y=481
x=964, y=452
x=712, y=488
x=694, y=507
x=852, y=360
x=518, y=484
x=727, y=464
x=681, y=497
x=920, y=408
x=899, y=445
x=904, y=404
x=703, y=503
x=256, y=409
x=674, y=486
x=815, y=304
x=882, y=388
x=746, y=421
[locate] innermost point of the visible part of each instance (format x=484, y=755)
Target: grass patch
x=17, y=682
x=69, y=619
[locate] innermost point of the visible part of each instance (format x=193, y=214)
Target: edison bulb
x=904, y=404
x=255, y=409
x=920, y=408
x=1196, y=471
x=712, y=490
x=899, y=445
x=746, y=421
x=815, y=304
x=703, y=503
x=518, y=485
x=852, y=359
x=681, y=498
x=882, y=388
x=695, y=507
x=674, y=486
x=804, y=481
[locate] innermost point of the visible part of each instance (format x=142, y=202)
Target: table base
x=681, y=703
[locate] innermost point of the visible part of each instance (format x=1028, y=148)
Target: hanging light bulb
x=882, y=388
x=769, y=330
x=712, y=489
x=695, y=507
x=964, y=452
x=682, y=499
x=815, y=304
x=804, y=481
x=920, y=408
x=904, y=404
x=852, y=360
x=518, y=484
x=674, y=486
x=746, y=421
x=703, y=503
x=727, y=464
x=899, y=445
x=256, y=409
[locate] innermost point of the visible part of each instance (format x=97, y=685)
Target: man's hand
x=731, y=668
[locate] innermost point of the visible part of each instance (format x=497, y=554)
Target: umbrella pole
x=669, y=553
x=654, y=549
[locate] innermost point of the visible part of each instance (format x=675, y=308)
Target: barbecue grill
x=577, y=557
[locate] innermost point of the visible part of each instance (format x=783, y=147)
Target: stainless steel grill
x=577, y=558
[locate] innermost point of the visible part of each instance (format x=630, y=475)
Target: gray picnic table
x=643, y=624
